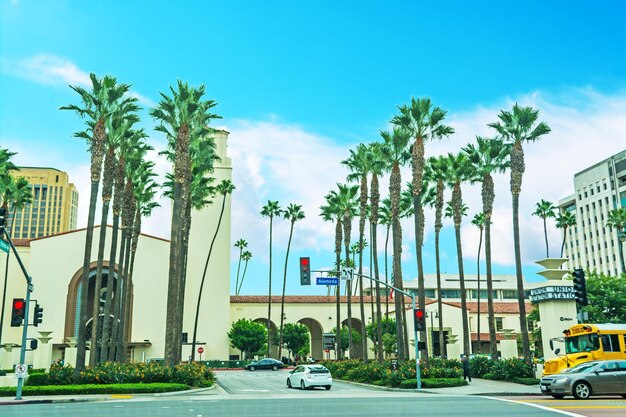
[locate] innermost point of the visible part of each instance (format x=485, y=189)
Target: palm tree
x=564, y=220
x=98, y=104
x=332, y=211
x=516, y=127
x=545, y=209
x=617, y=220
x=271, y=209
x=385, y=219
x=293, y=213
x=423, y=122
x=478, y=221
x=436, y=171
x=183, y=118
x=247, y=255
x=225, y=188
x=395, y=153
x=241, y=244
x=489, y=156
x=459, y=171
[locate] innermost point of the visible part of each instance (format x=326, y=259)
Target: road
x=265, y=394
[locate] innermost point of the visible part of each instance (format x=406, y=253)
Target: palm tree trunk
x=120, y=284
x=493, y=348
x=421, y=289
x=442, y=345
x=282, y=300
x=520, y=281
x=564, y=237
x=397, y=272
x=338, y=237
x=379, y=328
x=106, y=328
x=480, y=243
x=349, y=285
x=387, y=273
x=245, y=268
x=372, y=316
x=6, y=274
x=459, y=252
x=120, y=337
x=269, y=297
x=206, y=265
x=545, y=234
x=238, y=267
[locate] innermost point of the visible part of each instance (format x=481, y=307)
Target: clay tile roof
x=21, y=242
x=498, y=307
x=96, y=226
x=294, y=299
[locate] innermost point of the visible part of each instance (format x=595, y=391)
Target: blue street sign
x=327, y=281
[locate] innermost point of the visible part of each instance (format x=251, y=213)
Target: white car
x=309, y=376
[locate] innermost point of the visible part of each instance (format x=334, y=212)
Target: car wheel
x=302, y=386
x=274, y=368
x=327, y=387
x=558, y=396
x=252, y=368
x=288, y=383
x=582, y=391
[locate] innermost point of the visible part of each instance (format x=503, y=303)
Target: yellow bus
x=587, y=342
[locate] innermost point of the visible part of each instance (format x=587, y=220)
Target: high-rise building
x=54, y=208
x=599, y=189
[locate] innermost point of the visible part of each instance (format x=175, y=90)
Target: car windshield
x=583, y=367
x=582, y=343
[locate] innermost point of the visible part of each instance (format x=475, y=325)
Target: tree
x=247, y=255
x=544, y=209
x=295, y=336
x=346, y=337
x=516, y=127
x=395, y=154
x=487, y=157
x=478, y=221
x=184, y=119
x=385, y=219
x=248, y=336
x=390, y=344
x=564, y=220
x=388, y=327
x=241, y=244
x=271, y=209
x=293, y=213
x=104, y=99
x=535, y=335
x=617, y=220
x=225, y=188
x=607, y=303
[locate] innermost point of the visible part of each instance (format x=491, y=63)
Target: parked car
x=587, y=379
x=309, y=376
x=267, y=363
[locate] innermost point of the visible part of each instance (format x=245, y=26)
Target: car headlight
x=561, y=380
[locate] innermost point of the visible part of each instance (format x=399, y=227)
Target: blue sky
x=300, y=84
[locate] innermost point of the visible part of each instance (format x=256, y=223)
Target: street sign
x=346, y=273
x=328, y=340
x=200, y=349
x=4, y=246
x=20, y=371
x=327, y=281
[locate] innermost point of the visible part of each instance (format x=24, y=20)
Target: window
x=430, y=293
x=499, y=324
x=450, y=293
x=483, y=294
x=610, y=342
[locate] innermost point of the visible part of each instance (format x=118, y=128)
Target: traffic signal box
x=3, y=219
x=17, y=312
x=305, y=271
x=38, y=316
x=419, y=316
x=580, y=287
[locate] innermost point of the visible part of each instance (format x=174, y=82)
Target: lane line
x=541, y=407
x=591, y=406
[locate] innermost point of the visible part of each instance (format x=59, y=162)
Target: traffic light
x=38, y=315
x=3, y=219
x=419, y=316
x=305, y=271
x=33, y=344
x=580, y=288
x=421, y=345
x=17, y=312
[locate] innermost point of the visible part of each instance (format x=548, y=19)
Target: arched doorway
x=357, y=348
x=315, y=334
x=273, y=349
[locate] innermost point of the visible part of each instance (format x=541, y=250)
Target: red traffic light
x=304, y=262
x=18, y=304
x=419, y=314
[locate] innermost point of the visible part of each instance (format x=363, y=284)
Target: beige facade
x=54, y=208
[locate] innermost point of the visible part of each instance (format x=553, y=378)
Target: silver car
x=587, y=379
x=308, y=376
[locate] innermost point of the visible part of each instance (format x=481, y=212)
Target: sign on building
x=538, y=295
x=328, y=340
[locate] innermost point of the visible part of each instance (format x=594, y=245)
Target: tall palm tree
x=395, y=153
x=384, y=214
x=332, y=212
x=424, y=122
x=224, y=189
x=459, y=171
x=516, y=127
x=544, y=209
x=436, y=172
x=487, y=157
x=478, y=221
x=564, y=220
x=271, y=210
x=98, y=104
x=617, y=220
x=293, y=213
x=246, y=256
x=241, y=244
x=183, y=118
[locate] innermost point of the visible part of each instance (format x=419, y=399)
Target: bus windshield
x=582, y=343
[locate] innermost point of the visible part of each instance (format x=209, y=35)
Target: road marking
x=568, y=401
x=541, y=407
x=590, y=406
x=119, y=396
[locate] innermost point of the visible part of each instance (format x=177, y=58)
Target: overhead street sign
x=347, y=273
x=327, y=281
x=4, y=246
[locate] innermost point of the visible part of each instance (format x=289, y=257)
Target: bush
x=434, y=383
x=480, y=365
x=94, y=389
x=526, y=381
x=508, y=369
x=38, y=379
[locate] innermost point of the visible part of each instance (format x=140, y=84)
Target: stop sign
x=200, y=349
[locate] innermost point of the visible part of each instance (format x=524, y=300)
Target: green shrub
x=480, y=365
x=491, y=376
x=526, y=381
x=94, y=389
x=434, y=383
x=60, y=375
x=38, y=379
x=508, y=369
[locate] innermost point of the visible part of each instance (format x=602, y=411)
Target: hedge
x=95, y=389
x=526, y=381
x=434, y=383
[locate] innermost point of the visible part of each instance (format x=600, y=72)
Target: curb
x=52, y=400
x=191, y=391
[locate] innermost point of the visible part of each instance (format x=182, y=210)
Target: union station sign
x=538, y=295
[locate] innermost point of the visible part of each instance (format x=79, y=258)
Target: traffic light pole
x=29, y=289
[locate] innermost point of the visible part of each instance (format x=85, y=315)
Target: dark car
x=587, y=379
x=266, y=363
